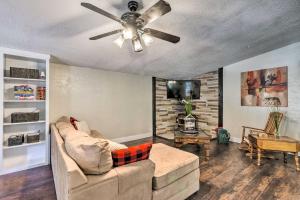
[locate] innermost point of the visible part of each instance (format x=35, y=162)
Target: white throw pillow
x=83, y=126
x=116, y=146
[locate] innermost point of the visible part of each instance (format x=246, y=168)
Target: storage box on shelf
x=17, y=72
x=24, y=80
x=14, y=140
x=25, y=117
x=32, y=137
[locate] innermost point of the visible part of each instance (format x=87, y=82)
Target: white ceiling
x=214, y=33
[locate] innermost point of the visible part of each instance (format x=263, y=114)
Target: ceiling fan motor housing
x=133, y=20
x=133, y=6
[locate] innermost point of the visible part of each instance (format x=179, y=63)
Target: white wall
x=117, y=104
x=235, y=115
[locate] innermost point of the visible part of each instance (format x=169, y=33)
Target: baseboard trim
x=235, y=139
x=132, y=137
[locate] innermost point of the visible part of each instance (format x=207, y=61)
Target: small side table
x=200, y=138
x=272, y=143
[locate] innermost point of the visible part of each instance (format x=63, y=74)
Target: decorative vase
x=189, y=123
x=277, y=133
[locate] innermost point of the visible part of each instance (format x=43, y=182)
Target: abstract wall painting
x=266, y=87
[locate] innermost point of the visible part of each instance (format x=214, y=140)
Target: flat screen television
x=181, y=89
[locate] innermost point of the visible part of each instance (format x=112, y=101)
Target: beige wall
x=236, y=115
x=117, y=104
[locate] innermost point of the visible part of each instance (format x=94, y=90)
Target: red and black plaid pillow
x=72, y=121
x=131, y=154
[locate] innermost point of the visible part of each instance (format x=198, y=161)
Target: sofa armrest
x=134, y=174
x=66, y=173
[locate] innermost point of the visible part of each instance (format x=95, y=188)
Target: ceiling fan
x=134, y=24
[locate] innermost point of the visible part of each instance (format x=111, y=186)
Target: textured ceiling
x=214, y=33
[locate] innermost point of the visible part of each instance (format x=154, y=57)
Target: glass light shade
x=127, y=34
x=120, y=41
x=147, y=39
x=137, y=45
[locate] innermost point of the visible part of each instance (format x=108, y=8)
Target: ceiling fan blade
x=161, y=35
x=106, y=34
x=157, y=10
x=102, y=12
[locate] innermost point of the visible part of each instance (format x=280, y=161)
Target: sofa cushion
x=113, y=145
x=63, y=119
x=180, y=189
x=83, y=126
x=97, y=134
x=134, y=174
x=171, y=164
x=116, y=146
x=131, y=154
x=93, y=155
x=64, y=128
x=60, y=125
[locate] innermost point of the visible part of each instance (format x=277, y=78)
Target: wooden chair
x=269, y=129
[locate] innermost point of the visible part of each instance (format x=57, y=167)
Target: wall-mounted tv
x=181, y=89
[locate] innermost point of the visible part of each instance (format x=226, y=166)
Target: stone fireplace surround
x=206, y=109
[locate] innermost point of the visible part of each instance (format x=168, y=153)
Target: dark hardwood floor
x=228, y=175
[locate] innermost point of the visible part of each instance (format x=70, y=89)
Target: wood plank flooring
x=228, y=175
x=33, y=184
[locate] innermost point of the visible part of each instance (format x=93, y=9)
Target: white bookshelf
x=27, y=155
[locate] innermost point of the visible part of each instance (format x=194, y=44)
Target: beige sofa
x=168, y=174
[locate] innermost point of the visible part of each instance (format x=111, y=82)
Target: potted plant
x=187, y=106
x=277, y=119
x=189, y=120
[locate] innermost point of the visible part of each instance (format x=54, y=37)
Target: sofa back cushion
x=64, y=128
x=63, y=119
x=93, y=155
x=115, y=146
x=131, y=154
x=82, y=126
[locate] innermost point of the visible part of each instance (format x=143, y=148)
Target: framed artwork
x=265, y=87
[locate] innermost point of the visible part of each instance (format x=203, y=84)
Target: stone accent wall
x=206, y=109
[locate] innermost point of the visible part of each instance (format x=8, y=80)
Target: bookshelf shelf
x=24, y=123
x=23, y=79
x=24, y=101
x=23, y=145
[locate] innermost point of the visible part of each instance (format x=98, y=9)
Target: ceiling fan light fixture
x=120, y=41
x=137, y=45
x=134, y=23
x=127, y=34
x=147, y=39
